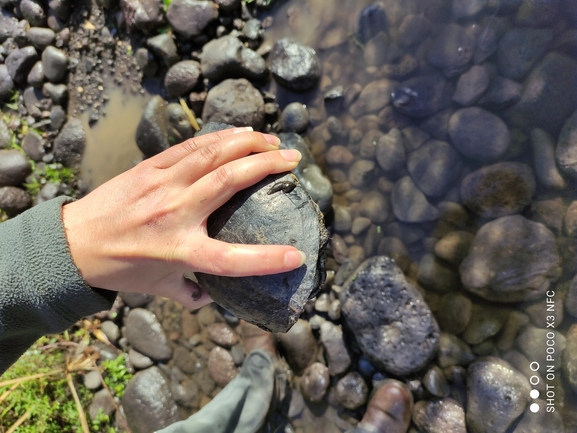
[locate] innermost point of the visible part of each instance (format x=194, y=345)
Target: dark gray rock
x=497, y=190
x=57, y=92
x=182, y=77
x=111, y=330
x=497, y=395
x=70, y=143
x=190, y=17
x=518, y=267
x=413, y=29
x=6, y=84
x=152, y=131
x=138, y=360
x=537, y=13
x=452, y=50
x=33, y=145
x=336, y=352
x=463, y=9
x=273, y=302
x=439, y=416
x=14, y=200
x=102, y=403
x=19, y=62
x=61, y=8
x=501, y=94
x=148, y=403
x=57, y=117
x=145, y=334
x=144, y=15
x=36, y=76
x=299, y=346
x=33, y=100
x=40, y=37
x=435, y=275
x=315, y=382
x=234, y=102
x=294, y=117
x=422, y=96
x=361, y=173
x=435, y=382
x=14, y=167
x=146, y=62
x=228, y=6
x=134, y=299
x=47, y=192
x=294, y=66
x=375, y=207
x=519, y=49
x=478, y=134
x=33, y=12
x=7, y=25
x=164, y=47
x=388, y=317
x=566, y=150
x=372, y=21
x=486, y=321
x=569, y=357
x=471, y=85
x=453, y=351
x=352, y=391
x=55, y=64
x=409, y=204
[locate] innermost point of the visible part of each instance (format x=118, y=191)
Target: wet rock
x=372, y=20
x=435, y=275
x=145, y=15
x=375, y=206
x=439, y=416
x=485, y=322
x=569, y=358
x=454, y=313
x=70, y=143
x=540, y=421
x=228, y=6
x=339, y=155
x=152, y=131
x=179, y=128
x=343, y=221
x=61, y=8
x=14, y=167
x=570, y=299
x=33, y=12
x=148, y=403
x=410, y=204
x=55, y=64
x=40, y=37
x=388, y=317
x=315, y=382
x=299, y=346
x=453, y=351
x=463, y=9
x=234, y=102
x=546, y=170
x=537, y=13
x=375, y=96
x=352, y=391
x=390, y=151
x=518, y=267
x=6, y=83
x=532, y=340
x=145, y=334
x=422, y=96
x=138, y=360
x=164, y=47
x=222, y=335
x=227, y=57
x=336, y=352
x=361, y=173
x=434, y=167
x=471, y=85
x=36, y=76
x=502, y=93
x=14, y=200
x=57, y=92
x=566, y=151
x=413, y=30
x=19, y=62
x=478, y=134
x=519, y=49
x=33, y=146
x=452, y=50
x=497, y=190
x=294, y=117
x=182, y=77
x=189, y=17
x=221, y=366
x=497, y=395
x=435, y=382
x=146, y=62
x=454, y=246
x=294, y=66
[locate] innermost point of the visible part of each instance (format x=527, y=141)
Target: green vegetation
x=115, y=375
x=166, y=4
x=48, y=173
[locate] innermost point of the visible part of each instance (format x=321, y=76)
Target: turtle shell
x=277, y=210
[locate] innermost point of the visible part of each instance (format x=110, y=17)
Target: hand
x=145, y=229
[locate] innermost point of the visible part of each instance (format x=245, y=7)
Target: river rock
x=435, y=275
x=497, y=190
x=5, y=135
x=163, y=46
x=375, y=96
x=352, y=391
x=375, y=206
x=372, y=20
x=413, y=30
x=390, y=151
x=145, y=334
x=14, y=200
x=315, y=382
x=569, y=358
x=453, y=351
x=33, y=12
x=439, y=416
x=532, y=340
x=152, y=131
x=422, y=96
x=336, y=352
x=14, y=167
x=497, y=395
x=501, y=94
x=409, y=204
x=221, y=366
x=36, y=75
x=566, y=151
x=546, y=170
x=454, y=246
x=454, y=313
x=294, y=117
x=519, y=49
x=70, y=143
x=478, y=134
x=19, y=62
x=299, y=346
x=536, y=13
x=55, y=64
x=57, y=92
x=190, y=17
x=452, y=50
x=6, y=83
x=540, y=421
x=148, y=403
x=388, y=317
x=8, y=24
x=486, y=321
x=145, y=15
x=182, y=77
x=471, y=85
x=40, y=37
x=294, y=66
x=517, y=267
x=222, y=335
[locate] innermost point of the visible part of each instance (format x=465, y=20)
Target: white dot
x=534, y=408
x=534, y=393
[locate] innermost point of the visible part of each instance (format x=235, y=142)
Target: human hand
x=145, y=229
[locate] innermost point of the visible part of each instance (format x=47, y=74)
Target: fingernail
x=294, y=259
x=243, y=129
x=291, y=155
x=272, y=139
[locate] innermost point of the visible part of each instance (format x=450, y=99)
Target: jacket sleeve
x=41, y=289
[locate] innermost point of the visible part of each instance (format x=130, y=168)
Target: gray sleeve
x=41, y=290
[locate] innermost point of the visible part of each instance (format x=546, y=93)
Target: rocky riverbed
x=439, y=140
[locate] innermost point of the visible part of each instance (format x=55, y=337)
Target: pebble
x=452, y=50
x=222, y=335
x=55, y=63
x=33, y=145
x=543, y=146
x=453, y=351
x=322, y=303
x=454, y=246
x=221, y=366
x=536, y=13
x=6, y=83
x=390, y=151
x=14, y=167
x=501, y=94
x=146, y=335
x=102, y=404
x=519, y=49
x=435, y=275
x=439, y=416
x=521, y=363
x=361, y=173
x=189, y=18
x=486, y=321
x=335, y=310
x=294, y=118
x=181, y=77
x=515, y=321
x=134, y=299
x=14, y=200
x=420, y=97
x=111, y=330
x=339, y=156
x=566, y=150
x=434, y=381
x=138, y=360
x=184, y=390
x=359, y=225
x=36, y=75
x=299, y=346
x=33, y=12
x=372, y=20
x=342, y=221
x=70, y=143
x=532, y=340
x=19, y=62
x=471, y=85
x=315, y=382
x=375, y=207
x=294, y=66
x=163, y=46
x=455, y=311
x=395, y=249
x=374, y=97
x=413, y=30
x=146, y=62
x=92, y=380
x=571, y=298
x=540, y=421
x=569, y=358
x=352, y=391
x=336, y=352
x=409, y=204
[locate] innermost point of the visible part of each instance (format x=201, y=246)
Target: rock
x=152, y=131
x=19, y=62
x=33, y=100
x=433, y=274
x=234, y=102
x=531, y=342
x=343, y=221
x=410, y=204
x=182, y=77
x=61, y=8
x=227, y=57
x=221, y=367
x=435, y=382
x=501, y=94
x=390, y=151
x=453, y=351
x=454, y=246
x=361, y=173
x=228, y=6
x=111, y=330
x=57, y=117
x=388, y=317
x=145, y=15
x=413, y=29
x=486, y=321
x=222, y=335
x=569, y=358
x=164, y=47
x=570, y=299
x=452, y=50
x=546, y=170
x=299, y=346
x=519, y=49
x=146, y=62
x=70, y=143
x=294, y=118
x=375, y=96
x=497, y=395
x=463, y=9
x=294, y=66
x=478, y=134
x=497, y=190
x=471, y=85
x=284, y=295
x=454, y=313
x=145, y=334
x=549, y=212
x=434, y=167
x=545, y=102
x=184, y=390
x=14, y=167
x=138, y=360
x=189, y=17
x=336, y=352
x=36, y=75
x=440, y=416
x=375, y=206
x=372, y=20
x=5, y=135
x=14, y=200
x=40, y=37
x=47, y=192
x=92, y=380
x=57, y=92
x=339, y=155
x=422, y=96
x=566, y=151
x=352, y=391
x=540, y=421
x=55, y=64
x=537, y=13
x=33, y=12
x=148, y=403
x=102, y=404
x=6, y=83
x=518, y=267
x=315, y=382
x=8, y=24
x=134, y=299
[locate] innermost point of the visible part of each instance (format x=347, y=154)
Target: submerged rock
x=295, y=66
x=422, y=96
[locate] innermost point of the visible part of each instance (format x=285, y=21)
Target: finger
x=238, y=260
x=216, y=188
x=207, y=158
x=177, y=152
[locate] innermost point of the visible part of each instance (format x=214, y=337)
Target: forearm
x=41, y=290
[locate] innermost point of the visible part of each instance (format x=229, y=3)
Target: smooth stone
x=294, y=66
x=55, y=63
x=413, y=30
x=6, y=83
x=543, y=146
x=519, y=49
x=299, y=346
x=342, y=222
x=163, y=46
x=336, y=352
x=40, y=37
x=453, y=351
x=19, y=62
x=145, y=334
x=138, y=360
x=471, y=85
x=374, y=97
x=497, y=395
x=409, y=204
x=352, y=391
x=375, y=206
x=454, y=313
x=222, y=335
x=70, y=143
x=435, y=275
x=570, y=299
x=502, y=93
x=359, y=225
x=485, y=322
x=8, y=23
x=372, y=20
x=102, y=404
x=454, y=246
x=463, y=9
x=14, y=167
x=566, y=150
x=33, y=12
x=390, y=151
x=221, y=366
x=144, y=15
x=452, y=50
x=189, y=18
x=422, y=96
x=339, y=156
x=92, y=380
x=439, y=416
x=111, y=330
x=14, y=200
x=380, y=308
x=36, y=76
x=184, y=390
x=395, y=249
x=57, y=117
x=435, y=382
x=314, y=382
x=146, y=62
x=537, y=13
x=57, y=92
x=134, y=299
x=294, y=118
x=569, y=357
x=5, y=135
x=182, y=77
x=152, y=130
x=540, y=421
x=531, y=342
